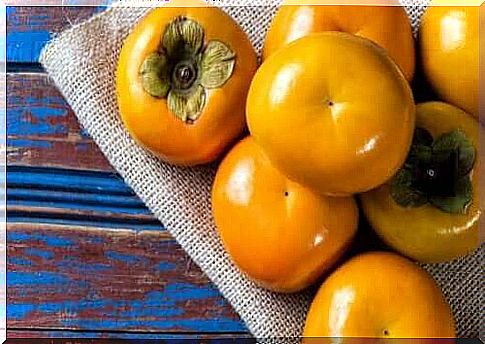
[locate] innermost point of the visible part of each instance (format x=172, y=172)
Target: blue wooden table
x=85, y=257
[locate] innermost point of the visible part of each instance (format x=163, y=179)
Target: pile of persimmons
x=333, y=128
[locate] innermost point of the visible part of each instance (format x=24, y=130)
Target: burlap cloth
x=82, y=62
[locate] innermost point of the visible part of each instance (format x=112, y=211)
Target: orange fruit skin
x=449, y=44
x=281, y=234
x=149, y=120
x=333, y=112
x=388, y=26
x=426, y=233
x=379, y=295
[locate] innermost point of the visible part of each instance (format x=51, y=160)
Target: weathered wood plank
x=84, y=337
x=74, y=197
x=42, y=130
x=69, y=217
x=80, y=278
x=29, y=28
x=67, y=180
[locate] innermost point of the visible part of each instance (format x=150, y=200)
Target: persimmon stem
x=184, y=75
x=184, y=67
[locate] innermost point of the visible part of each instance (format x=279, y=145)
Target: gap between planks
x=162, y=234
x=82, y=335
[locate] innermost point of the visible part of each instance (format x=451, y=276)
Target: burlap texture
x=82, y=63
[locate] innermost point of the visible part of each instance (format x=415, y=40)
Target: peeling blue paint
x=166, y=266
x=34, y=119
x=136, y=314
x=18, y=311
x=47, y=255
x=21, y=261
x=126, y=258
x=24, y=143
x=53, y=241
x=35, y=278
x=25, y=46
x=83, y=267
x=180, y=291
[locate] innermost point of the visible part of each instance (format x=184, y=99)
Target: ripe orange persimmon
x=282, y=235
x=422, y=212
x=182, y=79
x=387, y=26
x=333, y=112
x=379, y=295
x=449, y=39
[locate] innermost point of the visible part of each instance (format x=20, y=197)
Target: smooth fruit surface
x=207, y=63
x=279, y=233
x=449, y=43
x=379, y=295
x=426, y=233
x=333, y=112
x=387, y=26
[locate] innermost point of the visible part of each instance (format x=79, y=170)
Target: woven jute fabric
x=82, y=62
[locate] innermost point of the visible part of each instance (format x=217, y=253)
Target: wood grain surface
x=86, y=258
x=43, y=131
x=106, y=337
x=29, y=28
x=80, y=277
x=84, y=252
